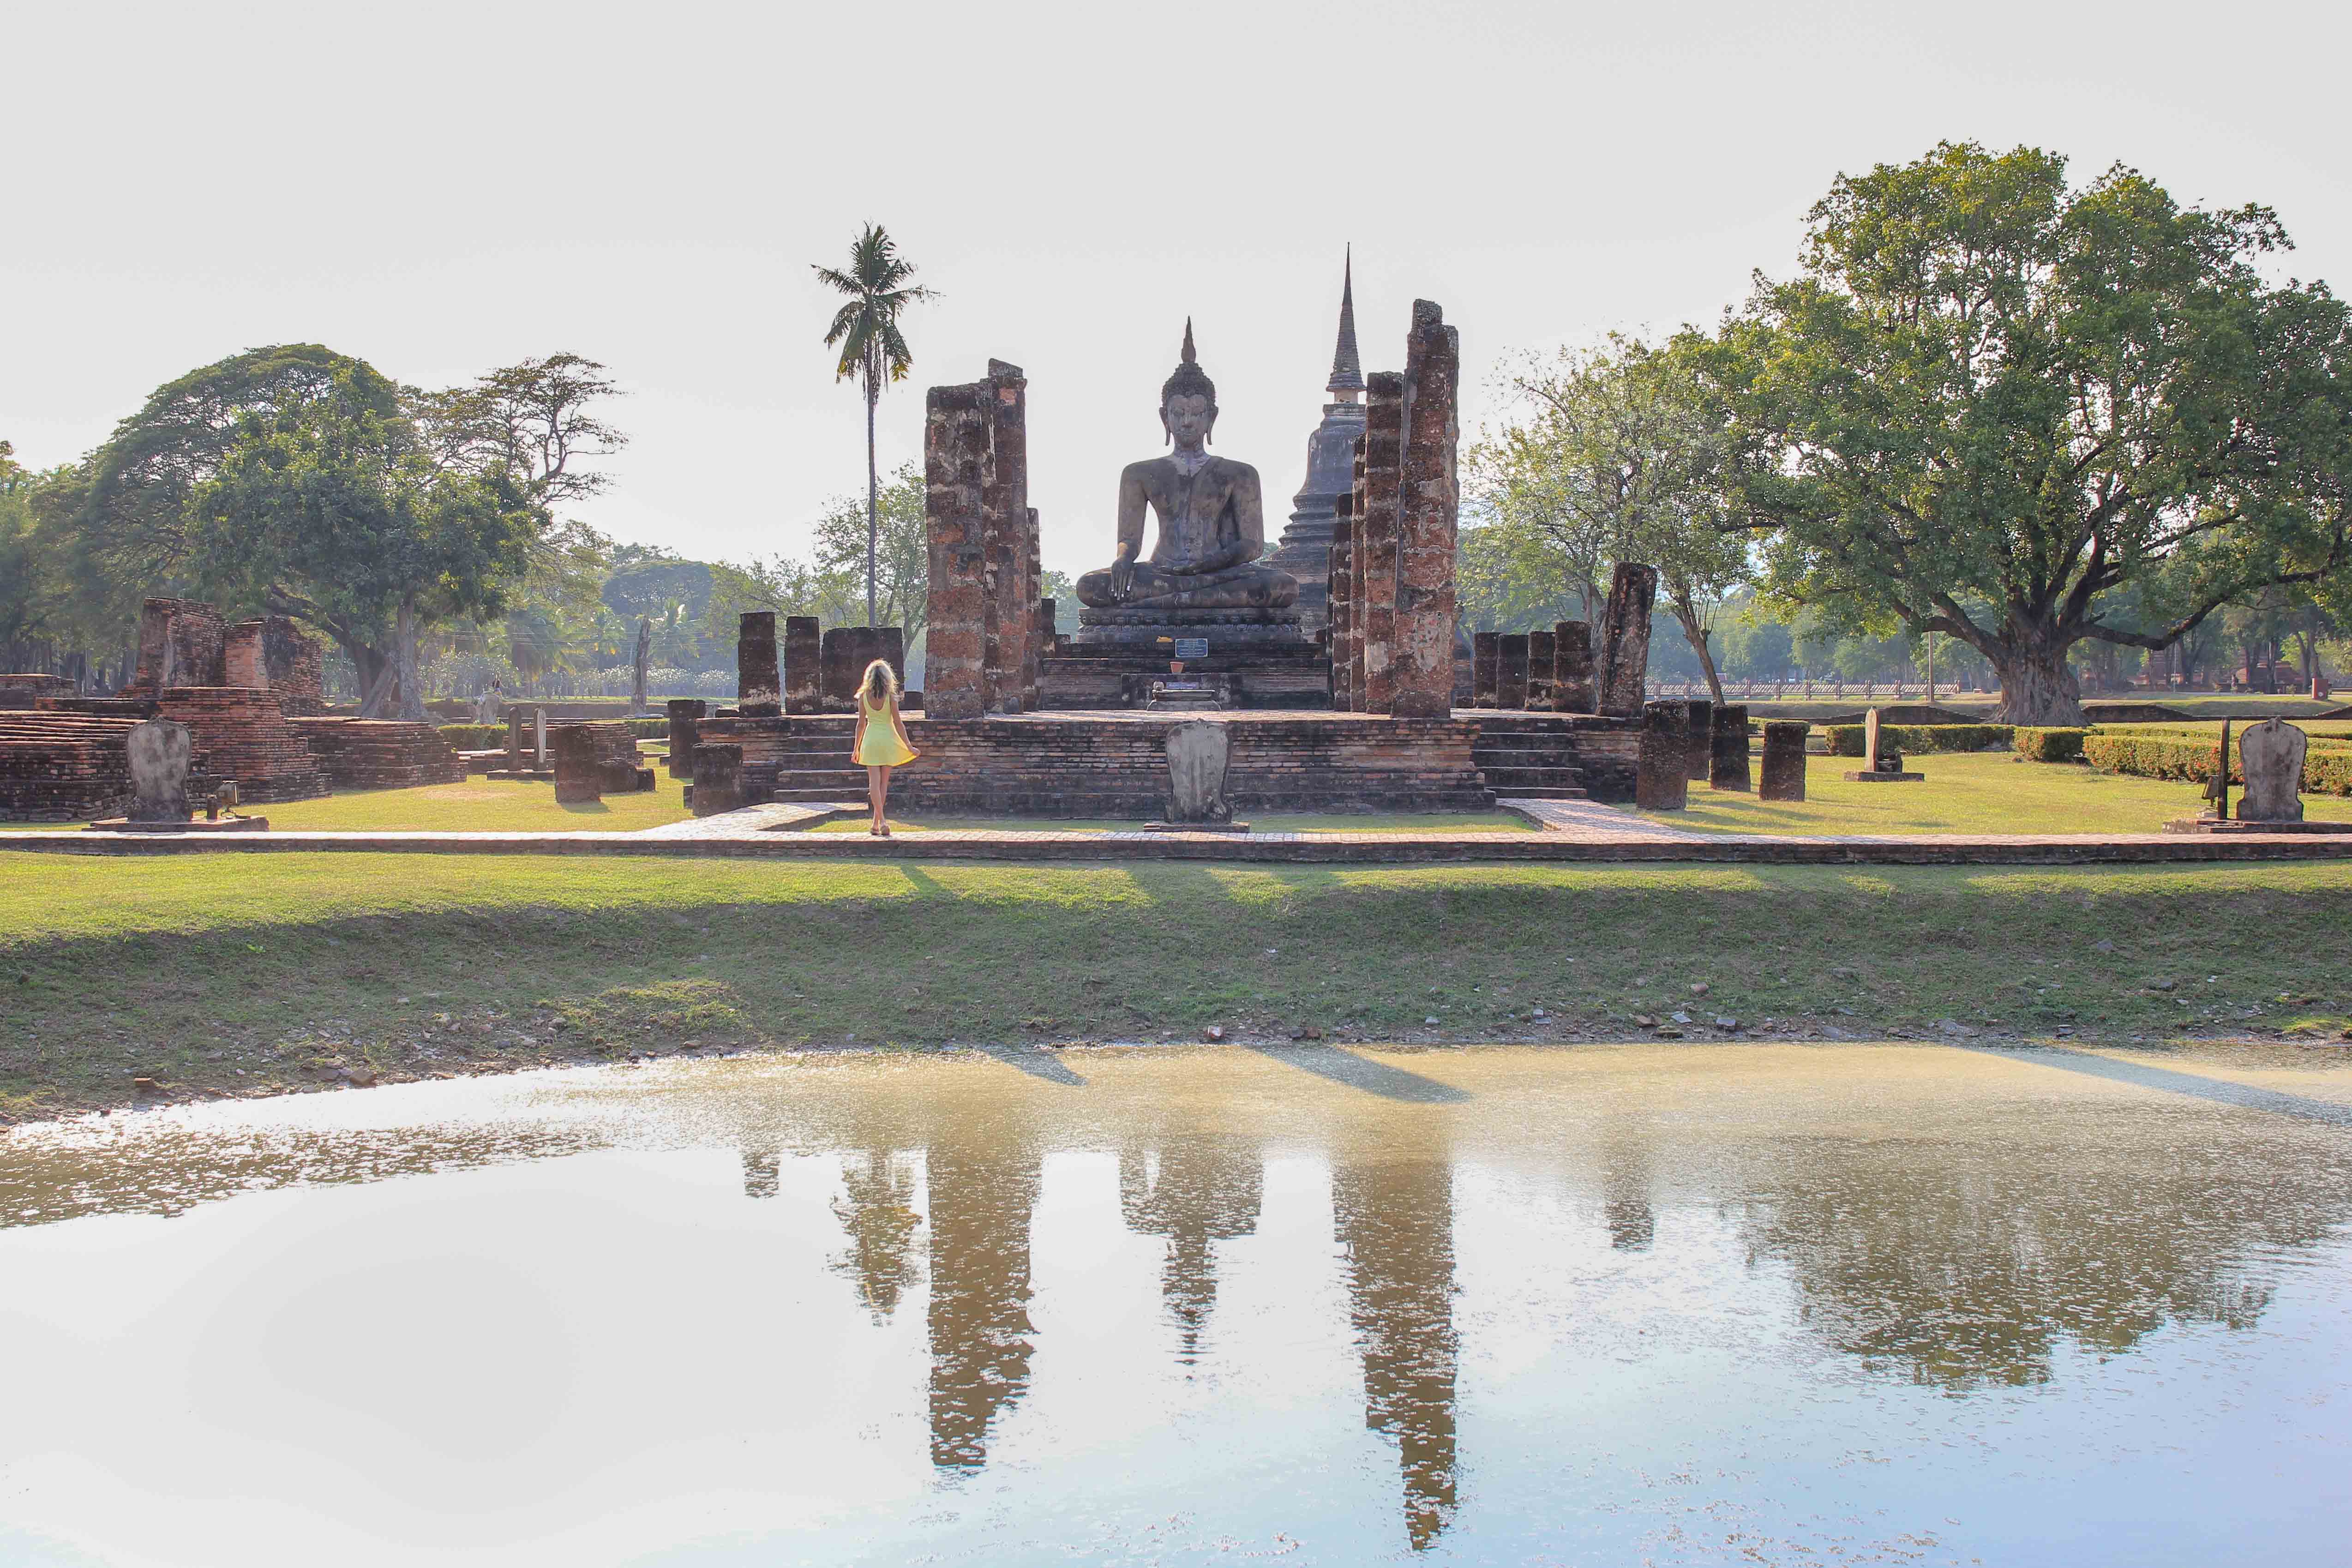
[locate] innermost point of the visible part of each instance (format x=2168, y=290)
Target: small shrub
x=2036, y=744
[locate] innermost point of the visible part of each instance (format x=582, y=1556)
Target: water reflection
x=1936, y=1241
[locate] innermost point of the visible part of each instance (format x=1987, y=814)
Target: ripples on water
x=1765, y=1304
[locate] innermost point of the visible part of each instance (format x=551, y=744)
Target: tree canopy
x=1991, y=405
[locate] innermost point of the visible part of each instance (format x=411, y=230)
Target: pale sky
x=442, y=189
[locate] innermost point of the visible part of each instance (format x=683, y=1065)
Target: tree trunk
x=412, y=681
x=1695, y=634
x=2037, y=686
x=872, y=497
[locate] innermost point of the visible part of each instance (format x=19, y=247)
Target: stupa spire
x=1347, y=370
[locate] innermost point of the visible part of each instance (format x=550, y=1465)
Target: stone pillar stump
x=1784, y=760
x=1662, y=777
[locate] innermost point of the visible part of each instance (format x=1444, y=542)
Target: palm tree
x=872, y=348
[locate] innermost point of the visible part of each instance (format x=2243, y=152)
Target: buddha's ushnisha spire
x=1186, y=357
x=1347, y=370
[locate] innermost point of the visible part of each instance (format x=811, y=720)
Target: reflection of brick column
x=801, y=665
x=1395, y=1219
x=981, y=1193
x=1376, y=534
x=955, y=452
x=1338, y=598
x=1622, y=660
x=1429, y=504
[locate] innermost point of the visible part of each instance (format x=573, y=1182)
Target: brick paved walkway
x=1572, y=831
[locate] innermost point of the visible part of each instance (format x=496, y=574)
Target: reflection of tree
x=1625, y=1197
x=1966, y=1268
x=1194, y=1192
x=1394, y=1215
x=763, y=1171
x=982, y=1186
x=877, y=1208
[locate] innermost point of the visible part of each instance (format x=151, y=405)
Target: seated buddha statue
x=1202, y=570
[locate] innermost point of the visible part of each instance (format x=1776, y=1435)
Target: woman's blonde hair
x=880, y=684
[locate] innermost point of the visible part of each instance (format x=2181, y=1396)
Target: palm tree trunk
x=873, y=492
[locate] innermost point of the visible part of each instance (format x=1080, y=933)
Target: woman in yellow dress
x=881, y=743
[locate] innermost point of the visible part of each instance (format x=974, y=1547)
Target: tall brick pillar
x=1621, y=662
x=1543, y=653
x=1008, y=623
x=1340, y=598
x=1485, y=649
x=801, y=643
x=1377, y=536
x=1033, y=597
x=1428, y=514
x=956, y=440
x=1358, y=575
x=1511, y=670
x=758, y=687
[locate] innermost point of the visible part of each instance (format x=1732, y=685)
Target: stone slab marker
x=1429, y=501
x=1784, y=760
x=514, y=737
x=1622, y=660
x=1869, y=738
x=1727, y=765
x=759, y=688
x=2272, y=754
x=160, y=750
x=1511, y=655
x=1338, y=601
x=683, y=712
x=1486, y=667
x=1197, y=756
x=539, y=739
x=1571, y=668
x=1543, y=652
x=1661, y=776
x=800, y=671
x=1701, y=747
x=1376, y=535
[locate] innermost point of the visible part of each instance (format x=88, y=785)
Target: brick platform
x=381, y=753
x=64, y=767
x=1115, y=765
x=246, y=736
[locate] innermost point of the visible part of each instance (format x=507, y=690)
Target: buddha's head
x=1188, y=400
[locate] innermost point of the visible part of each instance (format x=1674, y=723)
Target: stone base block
x=1876, y=777
x=2227, y=828
x=1196, y=828
x=196, y=825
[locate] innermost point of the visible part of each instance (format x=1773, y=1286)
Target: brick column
x=801, y=659
x=1661, y=782
x=955, y=452
x=1571, y=668
x=1358, y=575
x=1622, y=659
x=758, y=689
x=1376, y=534
x=1702, y=739
x=1784, y=760
x=1339, y=597
x=1429, y=507
x=244, y=661
x=683, y=712
x=1727, y=751
x=1511, y=670
x=1485, y=653
x=1006, y=621
x=1032, y=597
x=1542, y=653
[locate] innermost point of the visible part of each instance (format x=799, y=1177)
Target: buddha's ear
x=1167, y=433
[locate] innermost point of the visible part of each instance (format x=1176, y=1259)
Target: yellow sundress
x=881, y=748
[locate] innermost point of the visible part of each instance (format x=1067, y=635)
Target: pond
x=1851, y=1303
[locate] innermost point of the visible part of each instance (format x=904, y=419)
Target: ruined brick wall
x=295, y=665
x=802, y=656
x=1429, y=502
x=242, y=661
x=1009, y=618
x=843, y=654
x=759, y=684
x=1340, y=600
x=180, y=643
x=1571, y=668
x=246, y=736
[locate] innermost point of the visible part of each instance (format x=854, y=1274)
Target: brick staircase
x=810, y=764
x=1529, y=757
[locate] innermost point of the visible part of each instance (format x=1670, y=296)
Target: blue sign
x=1191, y=648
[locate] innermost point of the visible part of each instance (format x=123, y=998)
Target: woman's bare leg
x=878, y=790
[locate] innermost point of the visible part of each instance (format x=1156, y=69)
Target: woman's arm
x=857, y=736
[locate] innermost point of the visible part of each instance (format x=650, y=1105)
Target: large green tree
x=873, y=352
x=1989, y=404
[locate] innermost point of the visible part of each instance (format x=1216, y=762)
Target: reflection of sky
x=1160, y=1312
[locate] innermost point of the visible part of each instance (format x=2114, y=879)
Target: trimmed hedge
x=2039, y=745
x=1845, y=740
x=2192, y=761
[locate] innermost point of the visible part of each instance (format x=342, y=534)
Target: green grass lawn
x=1981, y=702
x=1260, y=822
x=241, y=973
x=477, y=805
x=1965, y=791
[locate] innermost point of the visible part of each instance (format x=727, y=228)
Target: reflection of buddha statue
x=1203, y=578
